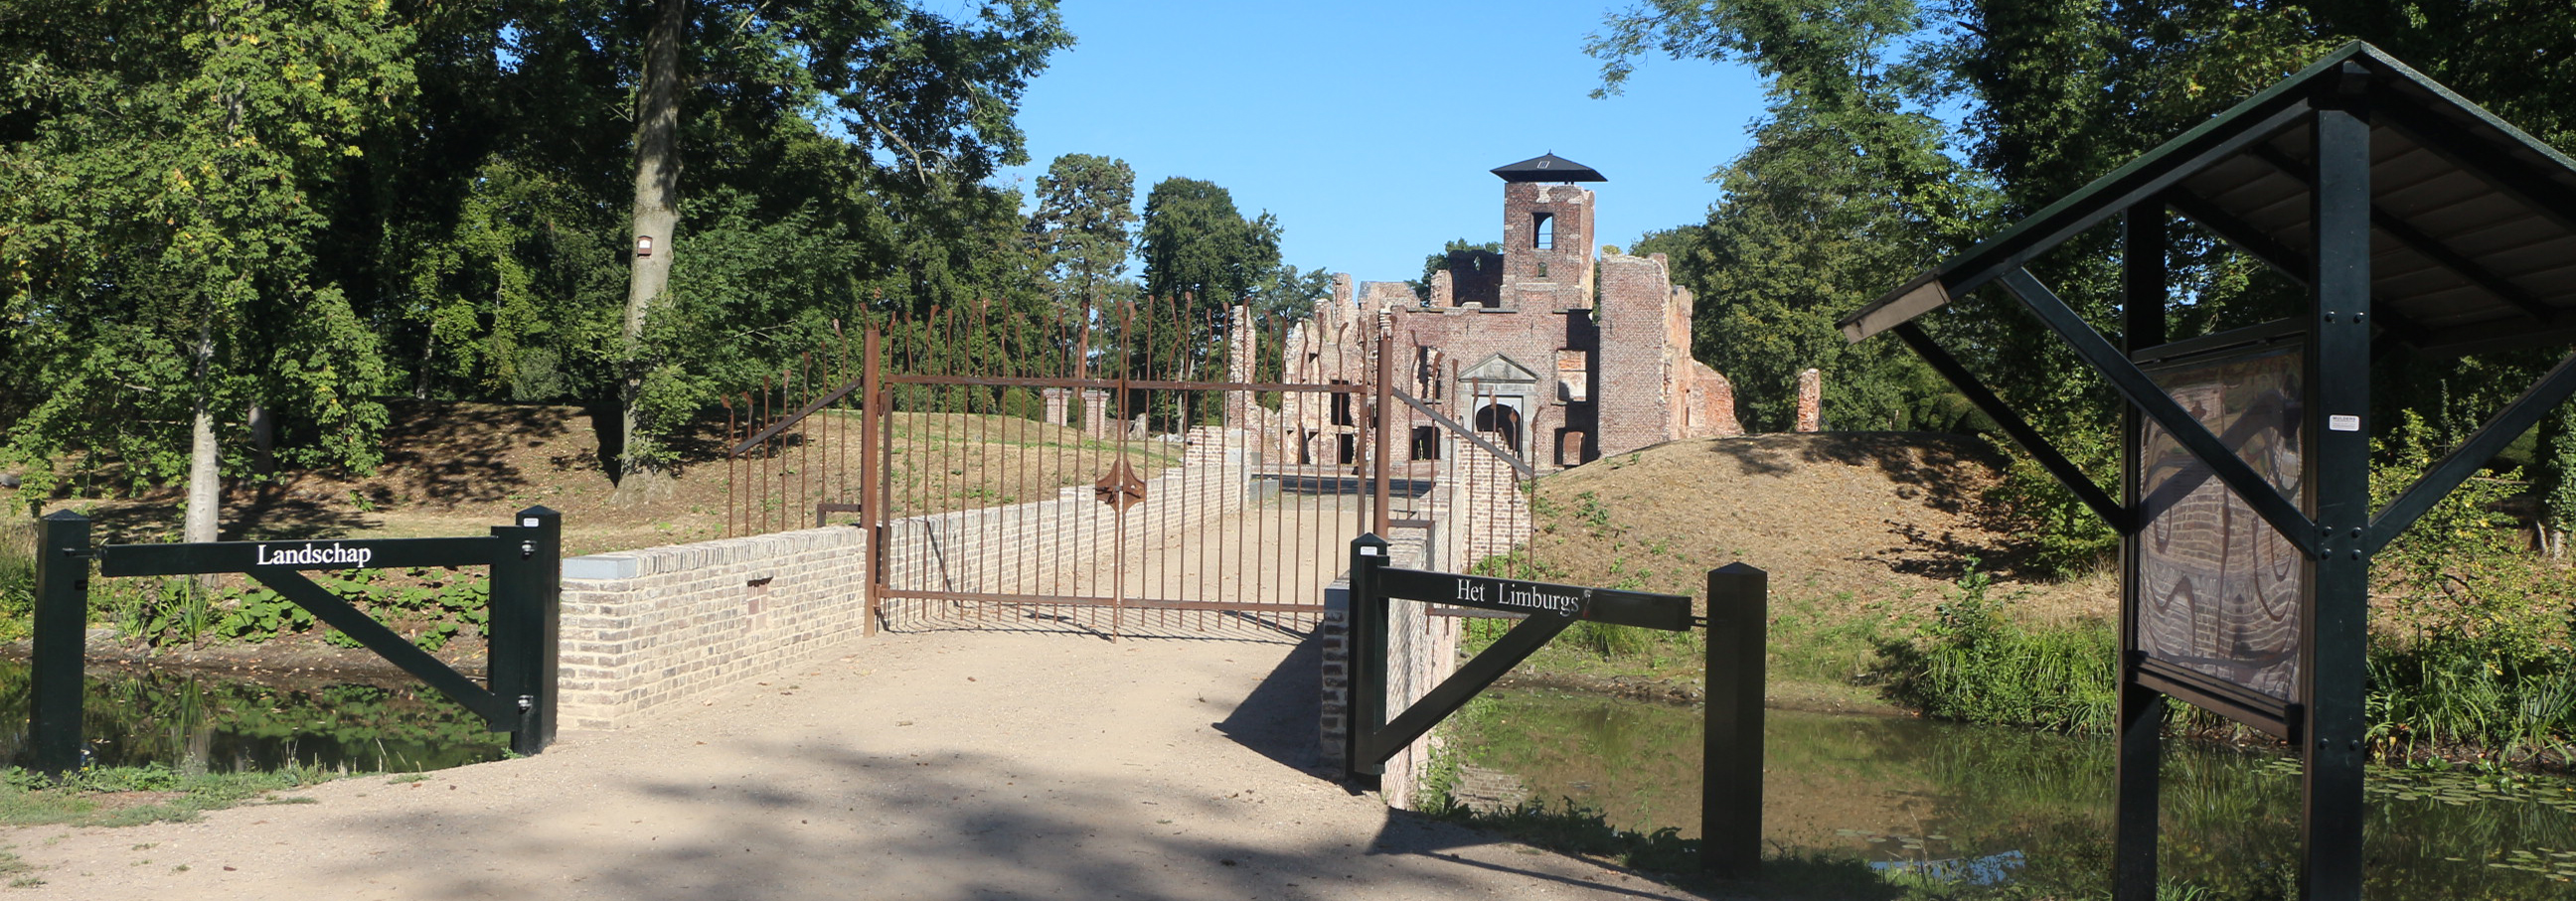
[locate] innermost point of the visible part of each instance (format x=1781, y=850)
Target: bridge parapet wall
x=650, y=627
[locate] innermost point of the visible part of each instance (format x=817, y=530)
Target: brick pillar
x=1241, y=345
x=1811, y=398
x=1095, y=413
x=1056, y=399
x=1334, y=634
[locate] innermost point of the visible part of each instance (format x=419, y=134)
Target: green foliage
x=313, y=204
x=1974, y=663
x=2473, y=643
x=1194, y=242
x=1084, y=210
x=168, y=171
x=434, y=606
x=29, y=798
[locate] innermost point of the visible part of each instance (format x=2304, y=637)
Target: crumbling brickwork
x=1811, y=400
x=1558, y=356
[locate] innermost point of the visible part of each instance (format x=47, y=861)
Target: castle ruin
x=1554, y=354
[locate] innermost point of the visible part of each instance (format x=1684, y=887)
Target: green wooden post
x=1364, y=712
x=2333, y=639
x=526, y=623
x=1730, y=811
x=61, y=627
x=2140, y=733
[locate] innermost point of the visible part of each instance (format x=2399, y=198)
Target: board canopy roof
x=2473, y=221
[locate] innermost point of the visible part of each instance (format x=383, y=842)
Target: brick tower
x=1547, y=234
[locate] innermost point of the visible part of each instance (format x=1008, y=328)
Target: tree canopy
x=226, y=212
x=1854, y=184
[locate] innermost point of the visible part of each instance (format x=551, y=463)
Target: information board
x=2219, y=589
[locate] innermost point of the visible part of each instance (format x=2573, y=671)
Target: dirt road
x=935, y=765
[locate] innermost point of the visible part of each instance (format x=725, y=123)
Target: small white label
x=529, y=521
x=1366, y=551
x=2343, y=423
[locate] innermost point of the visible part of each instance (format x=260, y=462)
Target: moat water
x=196, y=721
x=1988, y=805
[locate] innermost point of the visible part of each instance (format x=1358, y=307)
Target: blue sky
x=1367, y=128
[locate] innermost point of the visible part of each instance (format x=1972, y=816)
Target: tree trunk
x=263, y=438
x=657, y=197
x=205, y=479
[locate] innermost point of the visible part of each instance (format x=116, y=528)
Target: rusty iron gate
x=1151, y=468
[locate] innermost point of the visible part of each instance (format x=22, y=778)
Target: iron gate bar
x=1077, y=600
x=999, y=381
x=203, y=558
x=501, y=714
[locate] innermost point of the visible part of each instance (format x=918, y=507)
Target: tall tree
x=1085, y=205
x=1197, y=243
x=165, y=168
x=1849, y=179
x=935, y=94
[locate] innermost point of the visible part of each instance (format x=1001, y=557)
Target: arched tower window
x=1543, y=231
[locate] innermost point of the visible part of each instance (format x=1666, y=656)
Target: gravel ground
x=936, y=765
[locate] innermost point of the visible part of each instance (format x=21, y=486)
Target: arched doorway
x=1503, y=420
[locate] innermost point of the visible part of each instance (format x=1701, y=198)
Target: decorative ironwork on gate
x=1147, y=468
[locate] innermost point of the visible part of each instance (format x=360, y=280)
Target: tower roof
x=1548, y=167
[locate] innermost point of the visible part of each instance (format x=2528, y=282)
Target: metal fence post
x=1366, y=706
x=61, y=627
x=526, y=621
x=1731, y=758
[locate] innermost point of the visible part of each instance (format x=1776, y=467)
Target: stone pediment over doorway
x=1499, y=368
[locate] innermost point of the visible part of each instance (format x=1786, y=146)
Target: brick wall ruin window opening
x=1543, y=231
x=1342, y=406
x=1426, y=442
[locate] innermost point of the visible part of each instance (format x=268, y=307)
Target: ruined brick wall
x=1811, y=400
x=1639, y=356
x=1710, y=405
x=1475, y=278
x=1559, y=275
x=1483, y=501
x=1466, y=336
x=1331, y=346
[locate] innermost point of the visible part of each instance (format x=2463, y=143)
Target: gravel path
x=937, y=765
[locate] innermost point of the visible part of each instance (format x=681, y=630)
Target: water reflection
x=197, y=722
x=1939, y=798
